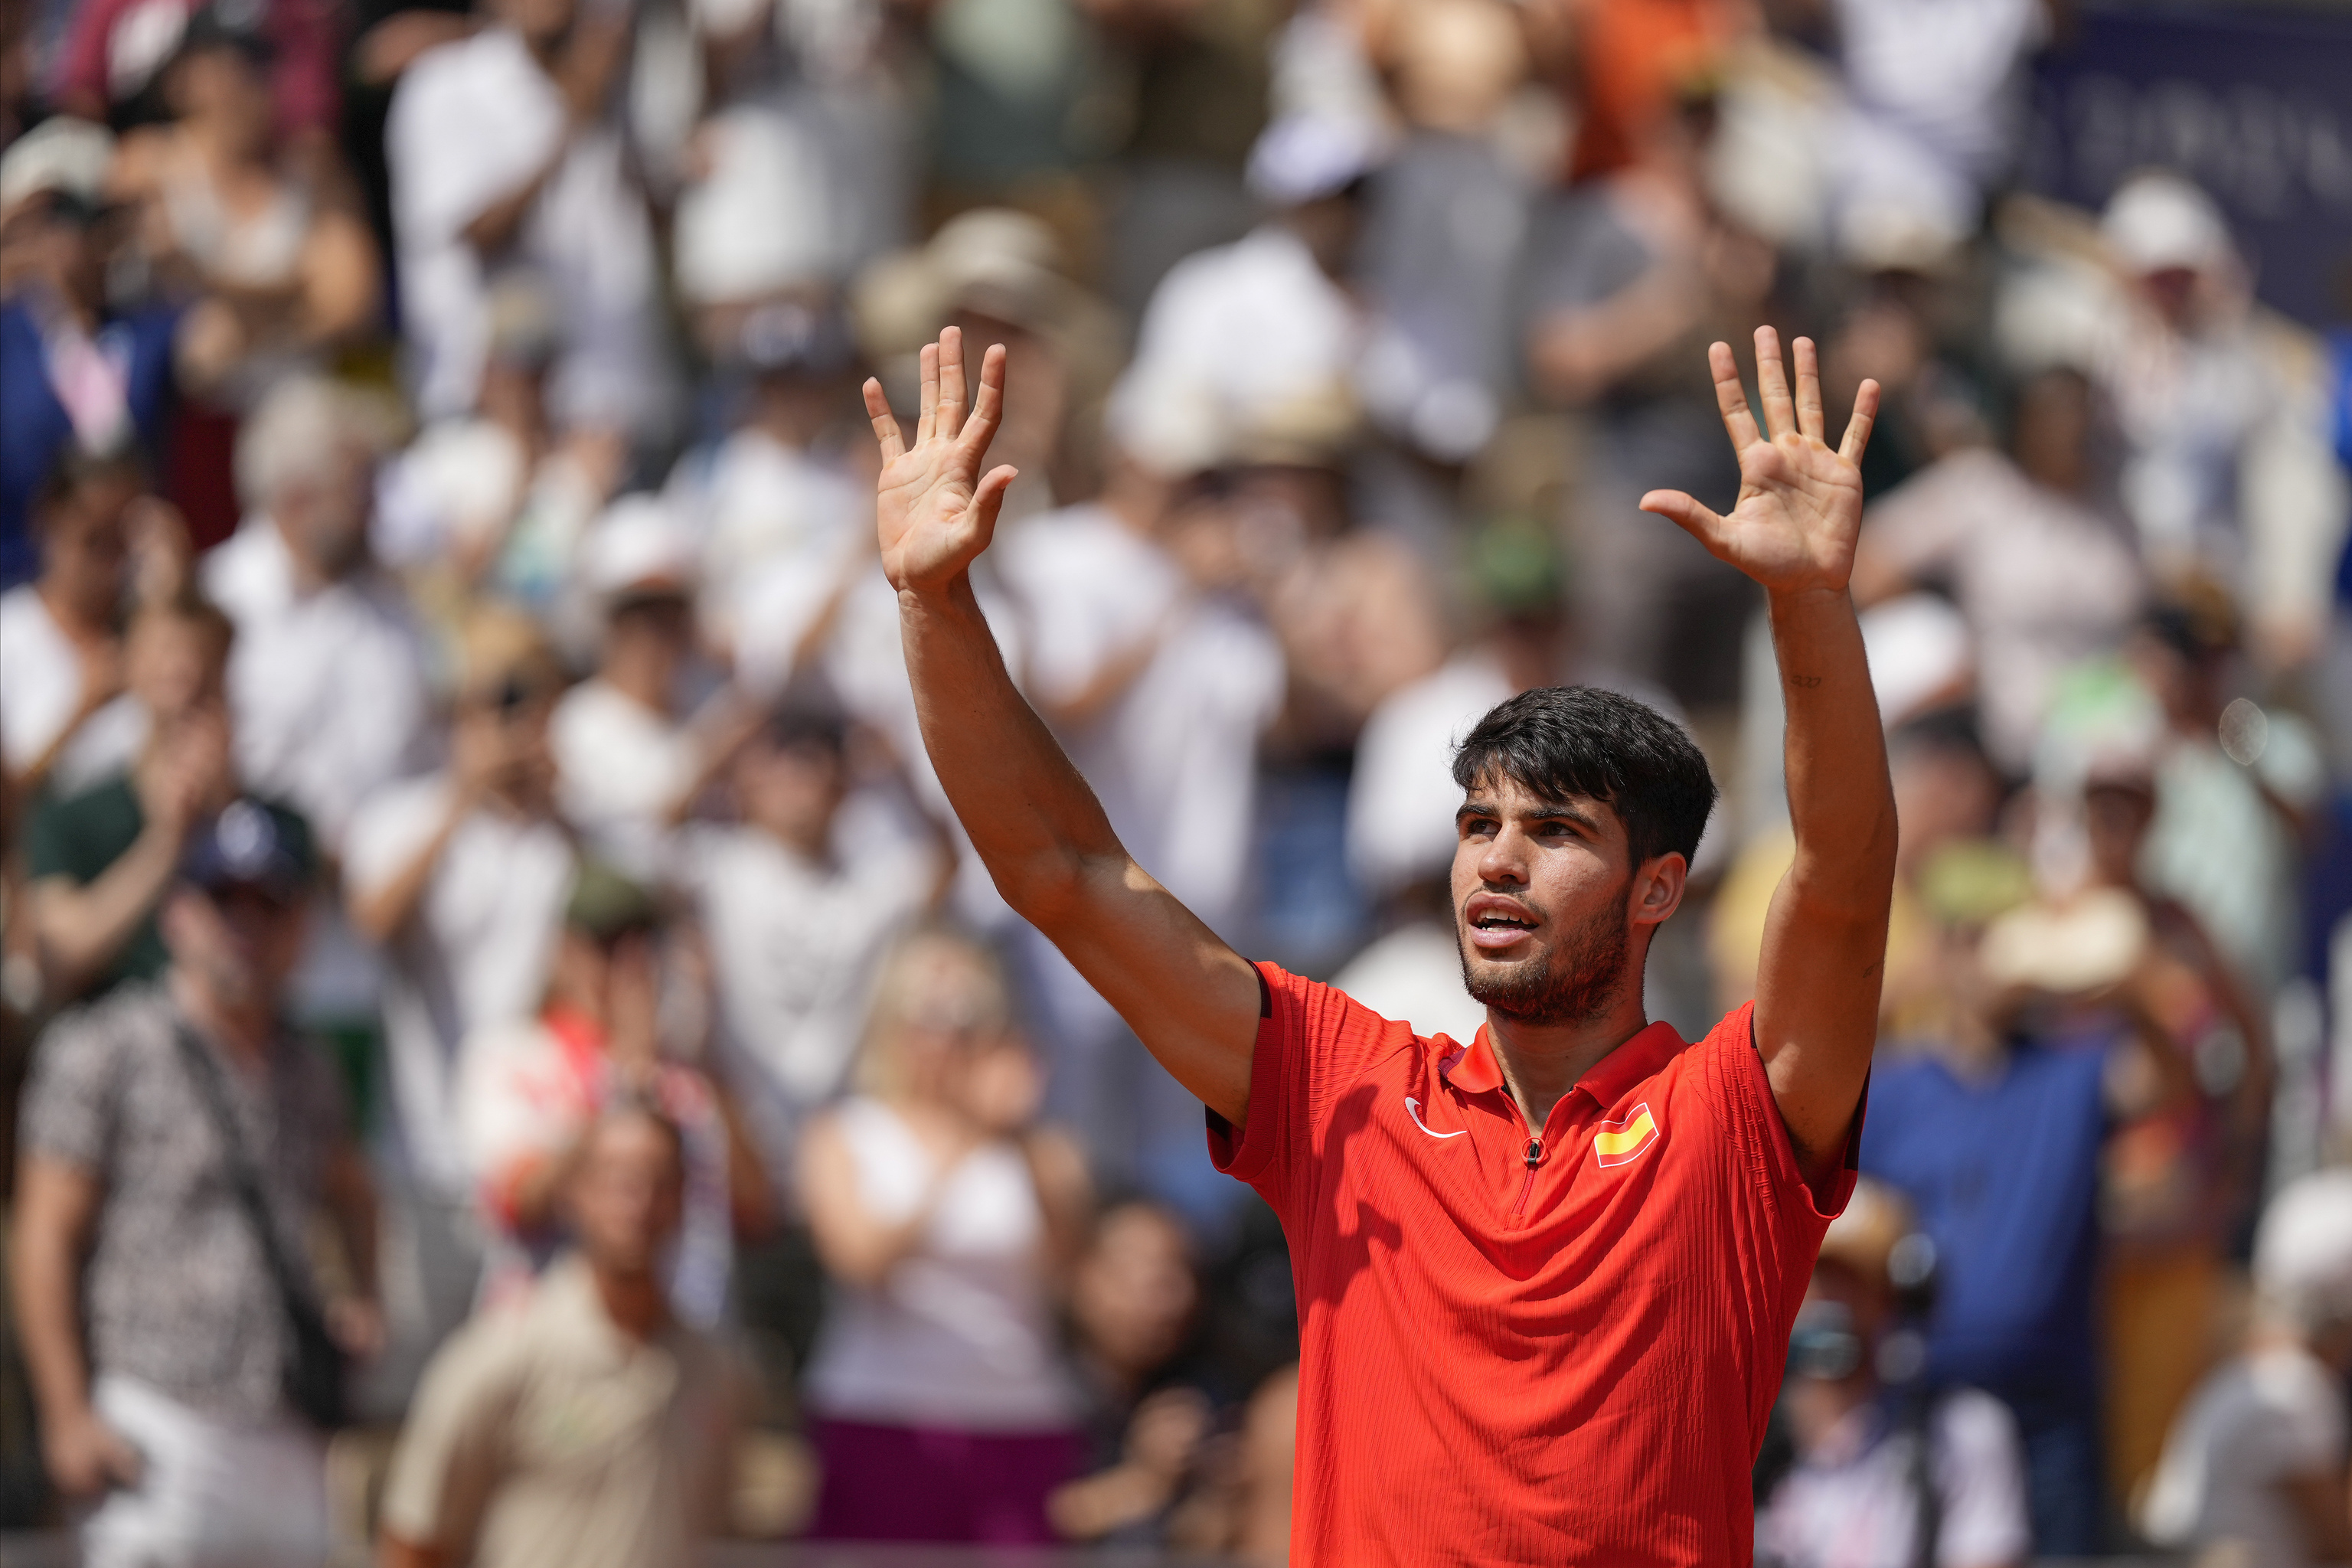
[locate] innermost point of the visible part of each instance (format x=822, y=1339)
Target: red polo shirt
x=1547, y=1350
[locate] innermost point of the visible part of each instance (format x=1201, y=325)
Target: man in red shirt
x=1545, y=1278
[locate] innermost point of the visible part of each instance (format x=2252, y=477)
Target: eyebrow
x=1542, y=811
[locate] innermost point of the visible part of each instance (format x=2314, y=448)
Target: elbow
x=1052, y=890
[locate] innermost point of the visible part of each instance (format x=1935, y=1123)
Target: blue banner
x=2256, y=106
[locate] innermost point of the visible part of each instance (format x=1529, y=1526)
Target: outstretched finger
x=1857, y=429
x=886, y=423
x=1685, y=512
x=1809, y=423
x=928, y=410
x=952, y=385
x=1731, y=398
x=1772, y=383
x=989, y=407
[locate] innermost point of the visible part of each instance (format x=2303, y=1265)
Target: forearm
x=379, y=912
x=1841, y=803
x=43, y=1268
x=82, y=929
x=1030, y=815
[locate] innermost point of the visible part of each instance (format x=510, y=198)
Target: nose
x=1502, y=861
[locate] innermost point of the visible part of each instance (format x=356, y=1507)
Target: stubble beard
x=1575, y=983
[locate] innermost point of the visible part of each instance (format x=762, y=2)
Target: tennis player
x=1546, y=1276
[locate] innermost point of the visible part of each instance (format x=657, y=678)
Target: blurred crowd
x=491, y=976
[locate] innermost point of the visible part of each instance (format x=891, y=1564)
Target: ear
x=1657, y=889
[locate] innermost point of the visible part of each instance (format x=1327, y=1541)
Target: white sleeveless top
x=962, y=1332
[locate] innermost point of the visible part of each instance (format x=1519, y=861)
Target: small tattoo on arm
x=1871, y=971
x=1805, y=682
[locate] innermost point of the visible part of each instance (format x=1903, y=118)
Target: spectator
x=501, y=158
x=2255, y=1465
x=461, y=876
x=101, y=861
x=327, y=680
x=1160, y=682
x=2045, y=578
x=1134, y=1305
x=2227, y=471
x=1242, y=333
x=278, y=271
x=63, y=714
x=495, y=1467
x=801, y=908
x=1628, y=279
x=168, y=1332
x=75, y=374
x=1884, y=1476
x=1995, y=1132
x=944, y=1218
x=527, y=1089
x=629, y=767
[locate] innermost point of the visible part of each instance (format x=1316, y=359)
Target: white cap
x=2158, y=221
x=60, y=153
x=1304, y=157
x=2302, y=1250
x=637, y=546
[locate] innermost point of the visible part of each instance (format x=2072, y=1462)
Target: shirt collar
x=1473, y=1068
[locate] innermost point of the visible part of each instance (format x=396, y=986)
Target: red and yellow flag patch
x=1621, y=1143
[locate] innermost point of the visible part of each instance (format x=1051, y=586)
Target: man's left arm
x=1793, y=530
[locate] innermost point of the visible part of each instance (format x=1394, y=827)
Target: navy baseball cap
x=252, y=844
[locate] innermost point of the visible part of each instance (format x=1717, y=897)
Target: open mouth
x=1496, y=923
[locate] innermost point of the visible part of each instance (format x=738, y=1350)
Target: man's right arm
x=1044, y=836
x=56, y=1206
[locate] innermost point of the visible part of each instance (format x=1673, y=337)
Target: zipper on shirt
x=1533, y=1157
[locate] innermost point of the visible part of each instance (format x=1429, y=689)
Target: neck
x=633, y=1298
x=245, y=1028
x=1541, y=1062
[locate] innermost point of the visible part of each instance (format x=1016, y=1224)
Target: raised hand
x=934, y=510
x=1800, y=506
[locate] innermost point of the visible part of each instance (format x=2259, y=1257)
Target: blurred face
x=2116, y=818
x=1545, y=902
x=791, y=791
x=504, y=732
x=1328, y=227
x=226, y=92
x=2172, y=291
x=323, y=518
x=2053, y=431
x=604, y=979
x=627, y=1195
x=950, y=1012
x=240, y=941
x=173, y=666
x=1134, y=1293
x=651, y=631
x=42, y=241
x=85, y=548
x=1941, y=793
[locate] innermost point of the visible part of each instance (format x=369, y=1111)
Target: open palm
x=1800, y=506
x=934, y=510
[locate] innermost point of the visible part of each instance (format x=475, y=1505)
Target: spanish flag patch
x=1621, y=1143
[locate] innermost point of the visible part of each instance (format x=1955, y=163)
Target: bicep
x=57, y=1201
x=1817, y=983
x=1189, y=996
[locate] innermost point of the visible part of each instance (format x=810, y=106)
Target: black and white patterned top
x=176, y=1292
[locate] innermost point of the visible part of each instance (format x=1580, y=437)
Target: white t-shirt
x=40, y=687
x=2254, y=1422
x=1402, y=798
x=1414, y=974
x=797, y=945
x=755, y=500
x=1233, y=336
x=620, y=768
x=1853, y=1506
x=326, y=689
x=474, y=955
x=470, y=123
x=962, y=1332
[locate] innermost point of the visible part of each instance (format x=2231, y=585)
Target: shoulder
x=1329, y=1019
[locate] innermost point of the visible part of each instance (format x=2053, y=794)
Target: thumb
x=989, y=498
x=1685, y=512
